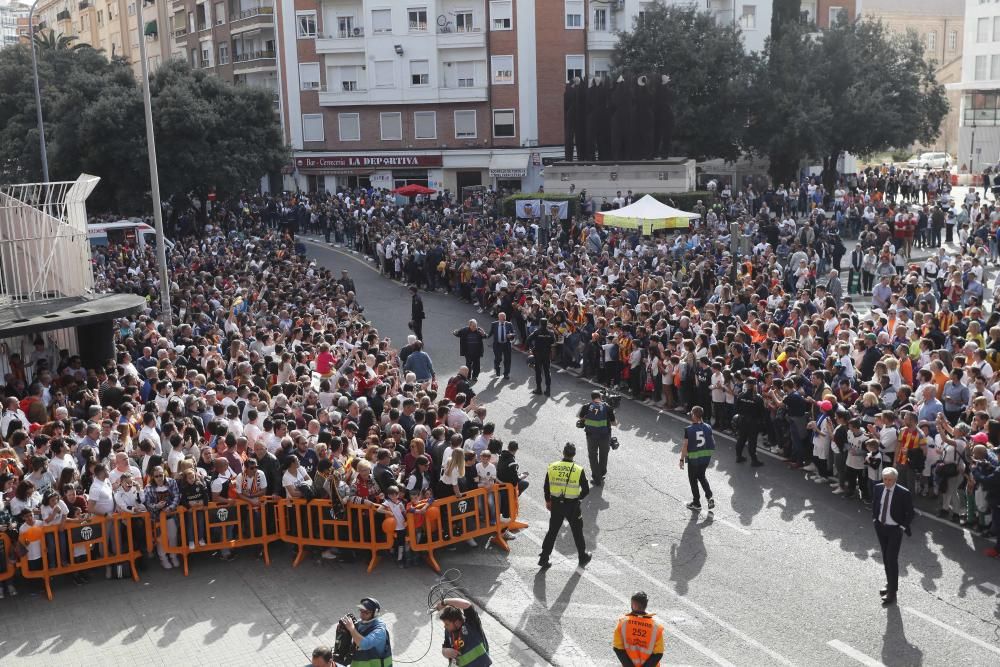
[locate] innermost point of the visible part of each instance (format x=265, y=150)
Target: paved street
x=785, y=572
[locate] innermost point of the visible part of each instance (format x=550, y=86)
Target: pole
x=38, y=92
x=154, y=176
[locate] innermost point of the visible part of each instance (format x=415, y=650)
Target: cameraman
x=597, y=418
x=464, y=639
x=370, y=636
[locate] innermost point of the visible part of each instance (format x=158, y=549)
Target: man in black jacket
x=471, y=347
x=268, y=464
x=750, y=418
x=417, y=315
x=540, y=343
x=508, y=473
x=892, y=513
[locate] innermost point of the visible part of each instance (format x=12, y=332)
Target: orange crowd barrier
x=10, y=567
x=218, y=526
x=509, y=491
x=74, y=546
x=312, y=524
x=455, y=519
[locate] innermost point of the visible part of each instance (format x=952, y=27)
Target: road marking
x=955, y=631
x=852, y=652
x=732, y=525
x=674, y=630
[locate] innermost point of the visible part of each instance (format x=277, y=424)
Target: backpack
x=451, y=391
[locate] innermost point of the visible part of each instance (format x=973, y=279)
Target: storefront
x=385, y=171
x=507, y=170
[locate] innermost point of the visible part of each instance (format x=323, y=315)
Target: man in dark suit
x=892, y=512
x=471, y=347
x=502, y=333
x=417, y=315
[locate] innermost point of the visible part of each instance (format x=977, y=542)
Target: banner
x=533, y=208
x=557, y=209
x=526, y=208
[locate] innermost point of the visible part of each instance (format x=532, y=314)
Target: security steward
x=598, y=418
x=464, y=640
x=370, y=635
x=565, y=487
x=750, y=418
x=638, y=637
x=539, y=343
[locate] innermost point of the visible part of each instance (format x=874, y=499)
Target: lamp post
x=38, y=92
x=154, y=175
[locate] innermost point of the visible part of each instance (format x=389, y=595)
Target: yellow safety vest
x=640, y=637
x=564, y=480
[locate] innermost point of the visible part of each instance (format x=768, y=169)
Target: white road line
x=674, y=630
x=732, y=525
x=955, y=631
x=852, y=652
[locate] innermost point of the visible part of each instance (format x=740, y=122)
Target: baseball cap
x=370, y=604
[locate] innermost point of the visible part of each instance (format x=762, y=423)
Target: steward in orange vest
x=638, y=636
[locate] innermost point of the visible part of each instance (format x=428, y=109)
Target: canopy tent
x=413, y=190
x=647, y=215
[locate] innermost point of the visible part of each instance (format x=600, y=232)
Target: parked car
x=929, y=161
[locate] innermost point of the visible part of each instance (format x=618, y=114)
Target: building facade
x=940, y=25
x=979, y=127
x=10, y=13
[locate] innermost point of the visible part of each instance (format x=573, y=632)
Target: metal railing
x=44, y=250
x=452, y=29
x=346, y=34
x=180, y=32
x=250, y=13
x=253, y=55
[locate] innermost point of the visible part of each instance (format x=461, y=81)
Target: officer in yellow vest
x=565, y=487
x=638, y=636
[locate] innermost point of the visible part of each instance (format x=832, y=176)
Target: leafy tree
x=209, y=134
x=708, y=68
x=48, y=39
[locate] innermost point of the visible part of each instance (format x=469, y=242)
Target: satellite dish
x=442, y=20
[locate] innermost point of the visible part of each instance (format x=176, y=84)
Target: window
x=837, y=14
x=749, y=19
x=100, y=17
x=305, y=24
x=350, y=126
x=425, y=125
x=312, y=127
x=345, y=27
x=465, y=124
x=223, y=54
x=574, y=67
x=980, y=68
x=348, y=77
x=600, y=67
x=419, y=73
x=309, y=76
x=381, y=21
x=391, y=124
x=384, y=75
x=463, y=21
x=503, y=69
x=600, y=20
x=994, y=67
x=996, y=28
x=500, y=15
x=220, y=13
x=465, y=74
x=983, y=30
x=503, y=123
x=418, y=19
x=952, y=40
x=574, y=14
x=206, y=55
x=932, y=40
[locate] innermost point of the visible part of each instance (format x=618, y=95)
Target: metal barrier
x=74, y=546
x=513, y=504
x=456, y=519
x=218, y=526
x=311, y=524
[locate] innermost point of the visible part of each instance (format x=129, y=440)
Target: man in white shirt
x=11, y=413
x=149, y=432
x=123, y=465
x=252, y=431
x=61, y=458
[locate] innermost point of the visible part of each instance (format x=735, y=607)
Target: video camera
x=343, y=643
x=611, y=397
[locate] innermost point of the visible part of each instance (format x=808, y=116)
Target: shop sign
x=508, y=173
x=368, y=161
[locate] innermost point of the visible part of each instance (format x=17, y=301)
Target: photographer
x=369, y=636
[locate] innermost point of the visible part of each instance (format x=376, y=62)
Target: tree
x=210, y=134
x=708, y=68
x=784, y=13
x=48, y=39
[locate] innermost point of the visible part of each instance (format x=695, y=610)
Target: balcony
x=461, y=38
x=342, y=42
x=83, y=4
x=63, y=15
x=251, y=19
x=180, y=33
x=253, y=60
x=336, y=96
x=602, y=40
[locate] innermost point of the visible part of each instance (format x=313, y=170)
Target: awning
x=509, y=165
x=150, y=28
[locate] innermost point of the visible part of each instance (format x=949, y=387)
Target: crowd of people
x=268, y=382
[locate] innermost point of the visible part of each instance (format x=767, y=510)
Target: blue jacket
x=420, y=364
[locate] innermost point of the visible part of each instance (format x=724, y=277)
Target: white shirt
x=115, y=474
x=102, y=496
x=147, y=433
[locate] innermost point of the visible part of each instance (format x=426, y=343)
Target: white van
x=133, y=232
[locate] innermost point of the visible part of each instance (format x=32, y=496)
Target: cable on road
x=443, y=589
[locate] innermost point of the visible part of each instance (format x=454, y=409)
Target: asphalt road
x=784, y=572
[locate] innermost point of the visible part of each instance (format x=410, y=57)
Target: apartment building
x=825, y=13
x=979, y=114
x=10, y=12
x=940, y=25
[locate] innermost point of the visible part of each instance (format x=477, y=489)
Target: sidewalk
x=236, y=613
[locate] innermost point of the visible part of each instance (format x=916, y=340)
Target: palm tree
x=48, y=40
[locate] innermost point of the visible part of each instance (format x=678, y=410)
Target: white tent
x=646, y=215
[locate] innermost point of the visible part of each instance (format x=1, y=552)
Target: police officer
x=540, y=342
x=565, y=487
x=750, y=417
x=370, y=635
x=598, y=418
x=464, y=640
x=638, y=636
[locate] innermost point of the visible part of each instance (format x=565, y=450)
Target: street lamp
x=154, y=175
x=38, y=92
